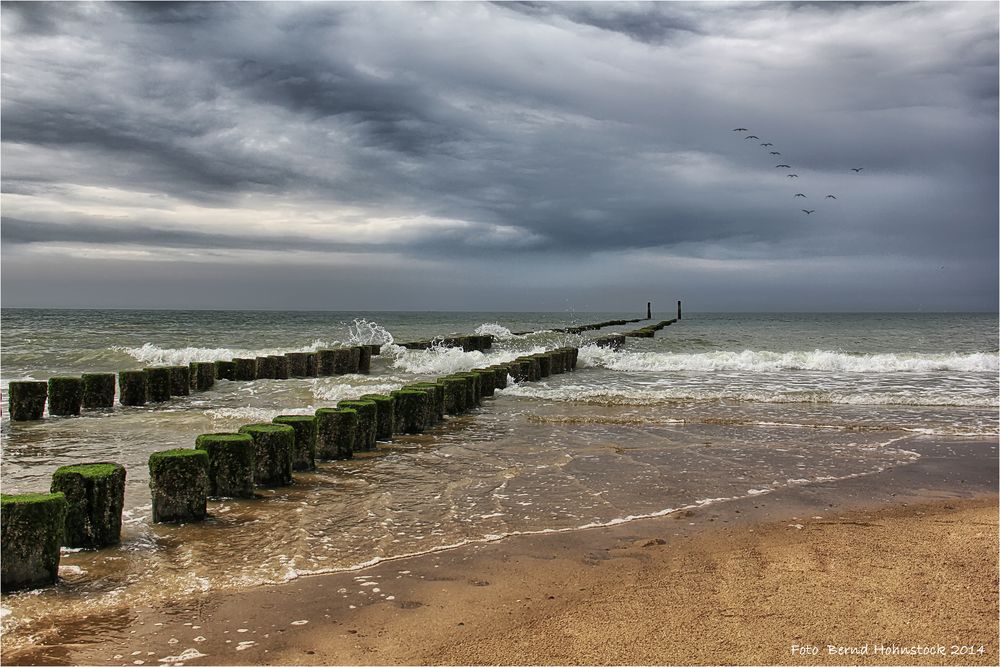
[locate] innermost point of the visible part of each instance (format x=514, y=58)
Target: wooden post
x=649, y=310
x=678, y=310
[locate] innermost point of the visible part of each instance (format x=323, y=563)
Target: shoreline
x=575, y=597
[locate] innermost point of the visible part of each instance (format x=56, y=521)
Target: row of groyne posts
x=83, y=508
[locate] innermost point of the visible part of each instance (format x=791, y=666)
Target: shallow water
x=714, y=407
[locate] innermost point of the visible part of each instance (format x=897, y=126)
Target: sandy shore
x=874, y=565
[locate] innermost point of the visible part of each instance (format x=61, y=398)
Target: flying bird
x=799, y=194
x=786, y=166
x=766, y=144
x=775, y=153
x=739, y=129
x=751, y=136
x=808, y=211
x=793, y=175
x=830, y=197
x=857, y=170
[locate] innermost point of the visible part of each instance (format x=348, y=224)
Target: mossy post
x=273, y=446
x=202, y=375
x=244, y=369
x=365, y=359
x=298, y=364
x=26, y=400
x=157, y=384
x=304, y=452
x=98, y=391
x=430, y=409
x=437, y=400
x=231, y=460
x=411, y=410
x=454, y=395
x=95, y=493
x=265, y=368
x=65, y=395
x=178, y=484
x=280, y=366
x=180, y=380
x=335, y=433
x=364, y=440
x=472, y=397
x=487, y=381
x=385, y=417
x=500, y=372
x=31, y=529
x=225, y=370
x=312, y=369
x=132, y=387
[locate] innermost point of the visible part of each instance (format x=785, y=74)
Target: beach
x=903, y=562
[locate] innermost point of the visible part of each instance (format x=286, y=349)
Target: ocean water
x=716, y=406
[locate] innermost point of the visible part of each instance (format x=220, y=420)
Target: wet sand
x=906, y=558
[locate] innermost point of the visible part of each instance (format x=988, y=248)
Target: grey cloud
x=536, y=118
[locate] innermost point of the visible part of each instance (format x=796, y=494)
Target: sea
x=715, y=407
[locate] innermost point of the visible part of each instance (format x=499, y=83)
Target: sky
x=500, y=156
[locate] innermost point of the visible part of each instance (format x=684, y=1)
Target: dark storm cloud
x=562, y=130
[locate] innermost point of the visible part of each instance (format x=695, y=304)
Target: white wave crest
x=494, y=329
x=335, y=391
x=363, y=332
x=438, y=360
x=155, y=355
x=763, y=361
x=649, y=396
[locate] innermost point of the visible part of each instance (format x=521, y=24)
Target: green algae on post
x=178, y=485
x=98, y=390
x=95, y=493
x=431, y=389
x=157, y=384
x=454, y=395
x=385, y=415
x=65, y=395
x=132, y=387
x=411, y=410
x=364, y=440
x=487, y=381
x=273, y=445
x=304, y=452
x=335, y=433
x=230, y=463
x=245, y=369
x=31, y=530
x=26, y=399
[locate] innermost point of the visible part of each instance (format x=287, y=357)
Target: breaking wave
x=155, y=355
x=817, y=360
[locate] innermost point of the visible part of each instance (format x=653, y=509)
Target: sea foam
x=818, y=360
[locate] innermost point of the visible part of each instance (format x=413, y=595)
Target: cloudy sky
x=512, y=156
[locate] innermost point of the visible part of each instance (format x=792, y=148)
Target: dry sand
x=903, y=559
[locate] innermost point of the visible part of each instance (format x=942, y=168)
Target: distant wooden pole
x=649, y=310
x=678, y=310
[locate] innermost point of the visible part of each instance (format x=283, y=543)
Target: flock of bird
x=776, y=154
